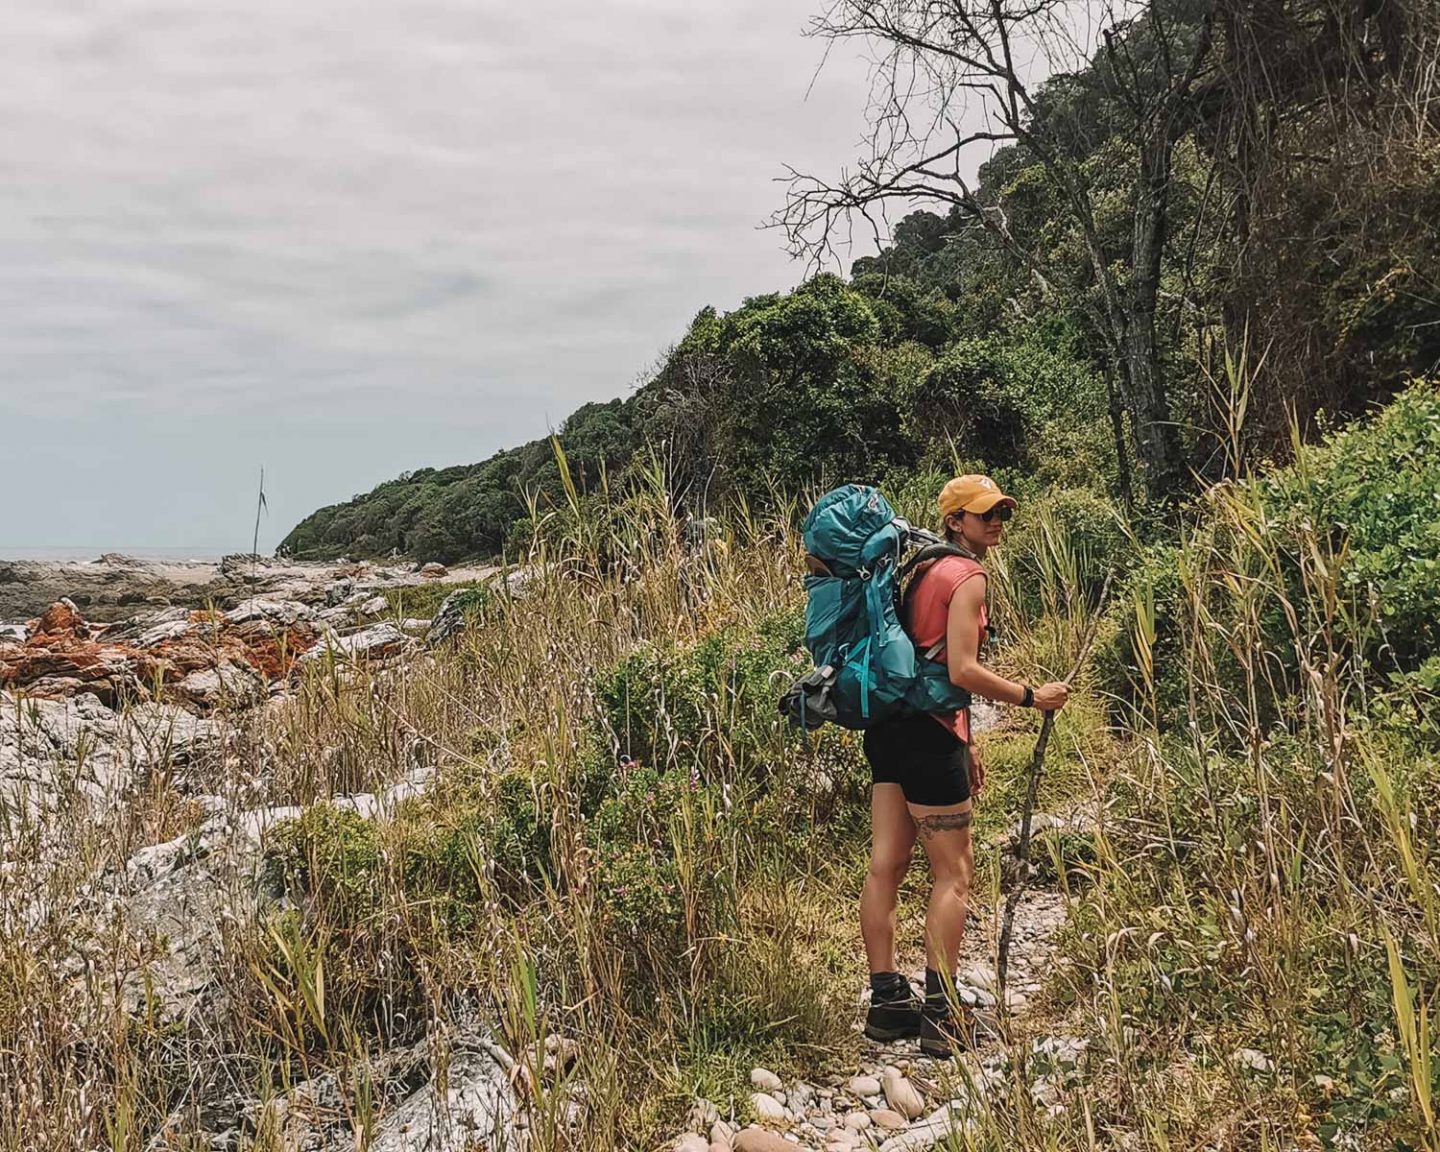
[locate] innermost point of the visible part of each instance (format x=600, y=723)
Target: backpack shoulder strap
x=908, y=579
x=932, y=552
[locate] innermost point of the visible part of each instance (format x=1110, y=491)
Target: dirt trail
x=897, y=1100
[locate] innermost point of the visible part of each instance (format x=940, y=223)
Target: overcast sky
x=344, y=240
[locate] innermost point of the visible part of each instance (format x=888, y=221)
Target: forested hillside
x=1222, y=179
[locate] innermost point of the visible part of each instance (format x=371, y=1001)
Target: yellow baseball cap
x=971, y=494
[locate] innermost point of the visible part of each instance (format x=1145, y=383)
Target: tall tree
x=1321, y=119
x=958, y=78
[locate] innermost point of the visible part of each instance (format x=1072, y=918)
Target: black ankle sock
x=934, y=989
x=890, y=985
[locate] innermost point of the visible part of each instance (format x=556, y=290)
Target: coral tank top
x=928, y=611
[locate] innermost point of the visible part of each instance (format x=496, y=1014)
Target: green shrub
x=1067, y=534
x=443, y=865
x=632, y=845
x=640, y=889
x=424, y=600
x=1410, y=704
x=1145, y=602
x=654, y=848
x=1341, y=548
x=324, y=965
x=651, y=703
x=516, y=833
x=328, y=852
x=660, y=702
x=1374, y=490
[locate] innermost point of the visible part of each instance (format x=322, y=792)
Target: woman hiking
x=927, y=770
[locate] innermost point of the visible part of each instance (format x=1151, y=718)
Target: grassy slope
x=1261, y=879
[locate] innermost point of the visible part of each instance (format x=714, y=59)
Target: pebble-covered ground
x=898, y=1100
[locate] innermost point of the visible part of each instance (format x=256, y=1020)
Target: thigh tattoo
x=943, y=822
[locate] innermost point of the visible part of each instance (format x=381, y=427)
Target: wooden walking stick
x=1037, y=768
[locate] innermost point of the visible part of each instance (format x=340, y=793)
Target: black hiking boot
x=944, y=1031
x=945, y=1027
x=894, y=1008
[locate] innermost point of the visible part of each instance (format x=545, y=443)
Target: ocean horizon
x=55, y=554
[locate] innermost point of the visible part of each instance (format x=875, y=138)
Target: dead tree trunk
x=1157, y=439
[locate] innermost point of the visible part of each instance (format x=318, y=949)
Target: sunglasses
x=1001, y=512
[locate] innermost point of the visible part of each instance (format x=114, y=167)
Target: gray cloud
x=344, y=240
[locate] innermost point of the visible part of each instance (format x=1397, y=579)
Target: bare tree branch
x=955, y=81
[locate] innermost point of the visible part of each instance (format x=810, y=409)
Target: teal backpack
x=866, y=666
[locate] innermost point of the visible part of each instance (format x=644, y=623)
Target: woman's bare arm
x=962, y=645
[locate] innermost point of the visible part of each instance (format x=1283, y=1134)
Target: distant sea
x=56, y=555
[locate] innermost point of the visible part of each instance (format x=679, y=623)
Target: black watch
x=1029, y=699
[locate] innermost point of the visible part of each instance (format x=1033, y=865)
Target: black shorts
x=929, y=762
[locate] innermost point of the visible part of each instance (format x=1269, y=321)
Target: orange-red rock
x=65, y=654
x=60, y=619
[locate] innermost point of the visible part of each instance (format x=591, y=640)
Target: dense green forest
x=1223, y=224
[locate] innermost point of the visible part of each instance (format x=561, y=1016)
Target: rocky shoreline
x=197, y=635
x=176, y=698
x=88, y=706
x=113, y=587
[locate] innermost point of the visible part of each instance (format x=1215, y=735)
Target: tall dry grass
x=373, y=934
x=623, y=846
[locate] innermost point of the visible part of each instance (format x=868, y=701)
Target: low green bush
x=516, y=833
x=330, y=851
x=424, y=600
x=1139, y=654
x=1068, y=535
x=663, y=702
x=633, y=847
x=1338, y=553
x=1373, y=491
x=1410, y=703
